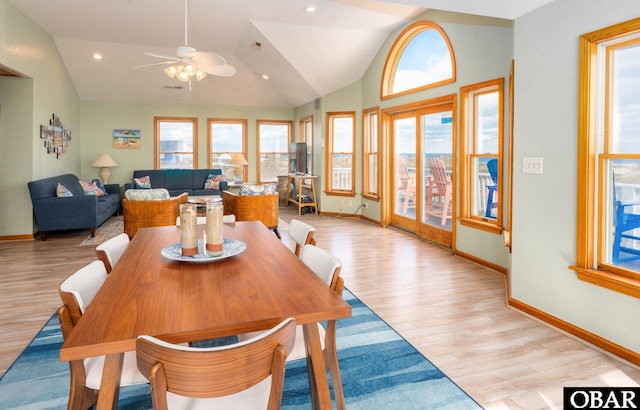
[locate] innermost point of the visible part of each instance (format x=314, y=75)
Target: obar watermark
x=601, y=398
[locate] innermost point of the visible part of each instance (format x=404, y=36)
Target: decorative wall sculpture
x=56, y=136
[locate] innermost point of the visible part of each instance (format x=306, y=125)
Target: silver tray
x=230, y=247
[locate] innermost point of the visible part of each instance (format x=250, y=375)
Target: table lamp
x=104, y=161
x=238, y=161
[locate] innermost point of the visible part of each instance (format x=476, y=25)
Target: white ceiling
x=305, y=55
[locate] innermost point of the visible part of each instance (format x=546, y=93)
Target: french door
x=422, y=161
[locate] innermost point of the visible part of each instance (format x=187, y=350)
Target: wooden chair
x=439, y=191
x=246, y=375
x=406, y=185
x=144, y=214
x=327, y=267
x=302, y=233
x=262, y=208
x=110, y=251
x=76, y=292
x=492, y=202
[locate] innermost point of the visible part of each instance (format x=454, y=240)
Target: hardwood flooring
x=450, y=309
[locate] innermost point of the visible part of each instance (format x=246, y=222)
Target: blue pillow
x=142, y=183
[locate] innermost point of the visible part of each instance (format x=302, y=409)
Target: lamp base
x=104, y=173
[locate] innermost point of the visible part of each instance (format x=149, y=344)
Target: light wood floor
x=452, y=310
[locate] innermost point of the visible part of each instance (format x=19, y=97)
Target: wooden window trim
x=329, y=153
x=305, y=138
x=586, y=266
x=156, y=137
x=467, y=219
x=288, y=123
x=245, y=139
x=374, y=196
x=395, y=53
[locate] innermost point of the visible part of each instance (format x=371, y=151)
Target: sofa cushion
x=157, y=194
x=213, y=182
x=62, y=191
x=91, y=188
x=250, y=190
x=142, y=182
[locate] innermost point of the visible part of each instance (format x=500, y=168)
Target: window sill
x=485, y=226
x=618, y=283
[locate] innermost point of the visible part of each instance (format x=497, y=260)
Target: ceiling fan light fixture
x=183, y=76
x=171, y=71
x=200, y=75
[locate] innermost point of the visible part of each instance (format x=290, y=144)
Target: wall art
x=56, y=136
x=126, y=138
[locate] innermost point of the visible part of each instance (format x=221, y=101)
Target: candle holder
x=189, y=229
x=213, y=230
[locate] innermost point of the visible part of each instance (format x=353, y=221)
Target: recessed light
x=266, y=77
x=97, y=56
x=310, y=9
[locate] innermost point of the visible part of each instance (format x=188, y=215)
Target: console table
x=298, y=200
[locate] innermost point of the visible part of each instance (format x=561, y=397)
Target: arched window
x=420, y=58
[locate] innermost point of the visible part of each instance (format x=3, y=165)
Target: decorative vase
x=213, y=230
x=189, y=229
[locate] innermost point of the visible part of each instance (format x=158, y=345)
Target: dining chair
x=406, y=185
x=439, y=191
x=245, y=375
x=202, y=220
x=77, y=292
x=110, y=251
x=492, y=167
x=302, y=233
x=327, y=267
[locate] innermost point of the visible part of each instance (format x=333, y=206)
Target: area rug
x=111, y=227
x=380, y=370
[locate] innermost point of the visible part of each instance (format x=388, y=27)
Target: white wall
x=25, y=105
x=545, y=125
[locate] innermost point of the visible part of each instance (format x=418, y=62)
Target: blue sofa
x=177, y=181
x=79, y=211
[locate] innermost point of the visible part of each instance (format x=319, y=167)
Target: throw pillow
x=91, y=188
x=62, y=191
x=100, y=186
x=213, y=182
x=157, y=194
x=251, y=190
x=142, y=183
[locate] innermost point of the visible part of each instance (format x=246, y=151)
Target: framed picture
x=126, y=138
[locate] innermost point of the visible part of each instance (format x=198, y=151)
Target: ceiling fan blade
x=214, y=64
x=172, y=58
x=222, y=70
x=154, y=64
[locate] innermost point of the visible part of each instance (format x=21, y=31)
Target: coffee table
x=201, y=201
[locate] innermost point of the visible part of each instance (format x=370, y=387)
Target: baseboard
x=340, y=215
x=26, y=237
x=597, y=341
x=482, y=262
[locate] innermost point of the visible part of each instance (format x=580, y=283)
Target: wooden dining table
x=149, y=294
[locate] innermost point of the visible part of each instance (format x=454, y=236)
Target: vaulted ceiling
x=305, y=55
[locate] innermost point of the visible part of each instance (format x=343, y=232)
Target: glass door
x=423, y=184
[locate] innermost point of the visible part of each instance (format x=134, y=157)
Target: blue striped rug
x=380, y=370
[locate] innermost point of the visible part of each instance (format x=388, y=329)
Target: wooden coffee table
x=201, y=201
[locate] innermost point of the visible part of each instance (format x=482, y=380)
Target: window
x=370, y=144
x=340, y=153
x=608, y=240
x=482, y=142
x=176, y=143
x=227, y=137
x=420, y=58
x=274, y=138
x=306, y=135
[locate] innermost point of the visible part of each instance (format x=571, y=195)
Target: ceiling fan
x=189, y=63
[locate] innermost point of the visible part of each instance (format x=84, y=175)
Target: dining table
x=151, y=292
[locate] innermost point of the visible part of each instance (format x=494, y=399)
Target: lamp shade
x=238, y=160
x=104, y=160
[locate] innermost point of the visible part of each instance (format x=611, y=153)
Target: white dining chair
x=302, y=233
x=327, y=267
x=241, y=376
x=77, y=292
x=110, y=251
x=202, y=220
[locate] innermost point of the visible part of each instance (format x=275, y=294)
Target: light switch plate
x=532, y=165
